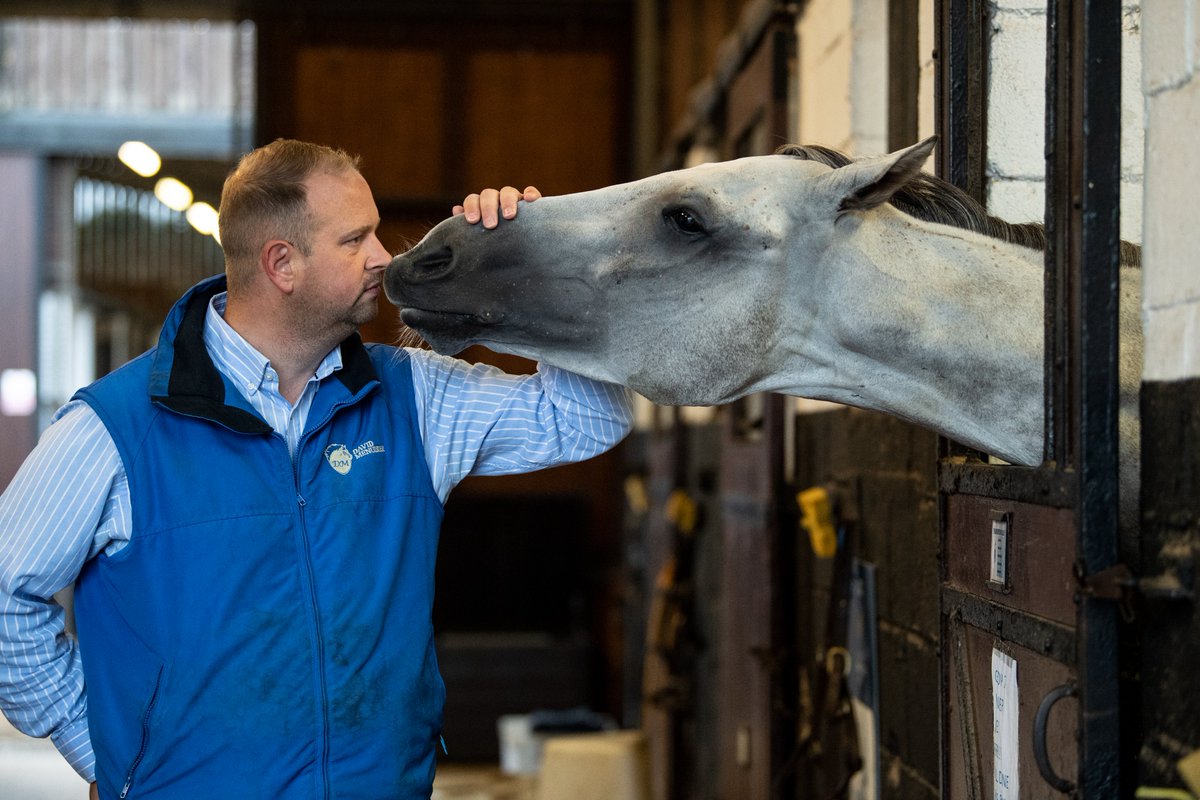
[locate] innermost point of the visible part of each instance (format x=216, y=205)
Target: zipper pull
x=441, y=739
x=125, y=790
x=300, y=501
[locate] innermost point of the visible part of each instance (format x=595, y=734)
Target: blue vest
x=267, y=631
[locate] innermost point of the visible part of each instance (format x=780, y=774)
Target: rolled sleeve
x=478, y=420
x=59, y=511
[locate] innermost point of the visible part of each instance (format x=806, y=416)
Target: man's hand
x=485, y=205
x=93, y=793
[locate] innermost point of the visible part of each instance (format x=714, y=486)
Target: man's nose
x=379, y=256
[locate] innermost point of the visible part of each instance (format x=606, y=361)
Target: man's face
x=339, y=281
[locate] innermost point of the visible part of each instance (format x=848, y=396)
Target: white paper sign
x=1005, y=726
x=999, y=572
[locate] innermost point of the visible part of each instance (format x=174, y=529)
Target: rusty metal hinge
x=1119, y=583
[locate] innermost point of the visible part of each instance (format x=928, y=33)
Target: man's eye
x=683, y=220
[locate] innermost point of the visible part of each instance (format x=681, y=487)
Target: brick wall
x=843, y=75
x=1016, y=123
x=1171, y=82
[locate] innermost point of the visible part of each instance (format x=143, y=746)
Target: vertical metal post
x=903, y=73
x=961, y=93
x=1083, y=145
x=960, y=98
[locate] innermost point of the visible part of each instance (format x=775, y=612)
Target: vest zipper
x=141, y=753
x=318, y=637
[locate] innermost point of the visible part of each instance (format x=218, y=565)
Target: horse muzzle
x=414, y=268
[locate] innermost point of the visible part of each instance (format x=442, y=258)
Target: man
x=249, y=516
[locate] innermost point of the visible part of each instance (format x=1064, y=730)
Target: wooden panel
x=682, y=61
x=715, y=24
x=658, y=711
x=968, y=664
x=385, y=105
x=693, y=34
x=749, y=665
x=555, y=123
x=1041, y=555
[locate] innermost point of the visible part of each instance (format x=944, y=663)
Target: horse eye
x=683, y=220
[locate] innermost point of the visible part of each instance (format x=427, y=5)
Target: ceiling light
x=139, y=157
x=18, y=392
x=173, y=193
x=203, y=218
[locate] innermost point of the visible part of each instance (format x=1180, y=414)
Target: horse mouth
x=424, y=319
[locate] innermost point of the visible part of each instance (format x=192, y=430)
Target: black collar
x=195, y=386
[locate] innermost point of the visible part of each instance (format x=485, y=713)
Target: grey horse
x=793, y=273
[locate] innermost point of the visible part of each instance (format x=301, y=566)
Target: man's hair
x=265, y=198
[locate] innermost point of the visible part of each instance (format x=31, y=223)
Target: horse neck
x=930, y=323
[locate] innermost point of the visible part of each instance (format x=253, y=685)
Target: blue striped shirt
x=70, y=499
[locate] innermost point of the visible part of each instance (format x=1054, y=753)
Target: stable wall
x=1171, y=389
x=1016, y=118
x=842, y=75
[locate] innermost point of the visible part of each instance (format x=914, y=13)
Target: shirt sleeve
x=478, y=420
x=61, y=509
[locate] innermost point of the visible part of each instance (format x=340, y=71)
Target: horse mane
x=930, y=198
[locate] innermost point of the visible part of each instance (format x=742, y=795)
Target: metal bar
x=960, y=110
x=961, y=93
x=1035, y=485
x=903, y=73
x=1033, y=633
x=1082, y=295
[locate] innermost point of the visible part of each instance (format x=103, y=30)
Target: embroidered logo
x=341, y=458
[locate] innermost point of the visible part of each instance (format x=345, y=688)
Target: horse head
x=685, y=286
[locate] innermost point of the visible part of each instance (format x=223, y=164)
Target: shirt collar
x=239, y=361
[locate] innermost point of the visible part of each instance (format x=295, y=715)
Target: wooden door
x=753, y=660
x=1031, y=642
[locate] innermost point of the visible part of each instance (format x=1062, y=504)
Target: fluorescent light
x=203, y=218
x=139, y=157
x=173, y=193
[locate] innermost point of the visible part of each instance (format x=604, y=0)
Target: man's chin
x=366, y=311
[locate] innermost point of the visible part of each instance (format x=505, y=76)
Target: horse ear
x=871, y=182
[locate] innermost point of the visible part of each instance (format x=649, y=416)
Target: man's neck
x=294, y=358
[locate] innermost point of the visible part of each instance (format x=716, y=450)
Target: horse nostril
x=432, y=265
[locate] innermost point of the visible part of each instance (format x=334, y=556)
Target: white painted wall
x=1016, y=166
x=927, y=76
x=1016, y=121
x=1171, y=257
x=842, y=72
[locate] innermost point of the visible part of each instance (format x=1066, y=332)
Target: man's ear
x=276, y=259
